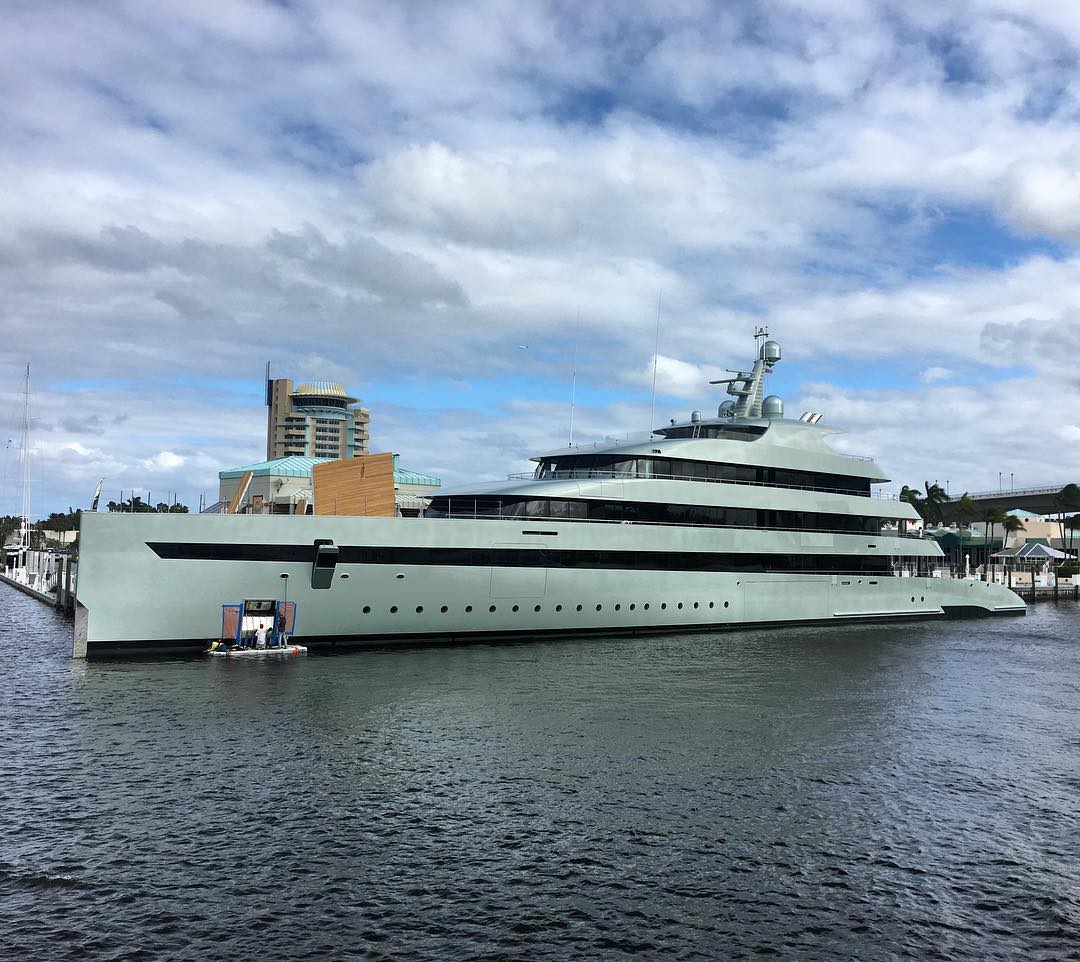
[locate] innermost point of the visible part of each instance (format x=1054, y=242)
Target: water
x=849, y=793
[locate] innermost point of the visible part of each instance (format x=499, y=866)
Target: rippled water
x=848, y=793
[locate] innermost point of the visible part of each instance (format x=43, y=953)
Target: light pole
x=284, y=607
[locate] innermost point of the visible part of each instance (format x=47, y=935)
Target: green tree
x=914, y=498
x=60, y=521
x=1011, y=525
x=934, y=502
x=1072, y=525
x=1066, y=500
x=991, y=517
x=9, y=528
x=137, y=505
x=967, y=512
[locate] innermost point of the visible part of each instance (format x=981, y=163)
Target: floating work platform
x=289, y=651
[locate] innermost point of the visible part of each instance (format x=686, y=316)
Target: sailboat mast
x=25, y=527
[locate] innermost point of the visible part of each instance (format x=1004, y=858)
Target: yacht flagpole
x=24, y=539
x=655, y=359
x=573, y=388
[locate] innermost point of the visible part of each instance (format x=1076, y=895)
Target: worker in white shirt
x=260, y=637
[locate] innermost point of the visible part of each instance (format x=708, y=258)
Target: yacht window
x=648, y=512
x=683, y=469
x=723, y=432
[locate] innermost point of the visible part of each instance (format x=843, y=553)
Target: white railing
x=458, y=510
x=592, y=474
x=1012, y=492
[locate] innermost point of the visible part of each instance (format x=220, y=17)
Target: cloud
x=395, y=197
x=931, y=374
x=1044, y=197
x=164, y=461
x=674, y=378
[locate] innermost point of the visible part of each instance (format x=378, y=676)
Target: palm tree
x=966, y=512
x=935, y=498
x=992, y=517
x=1073, y=525
x=912, y=497
x=1011, y=525
x=1067, y=499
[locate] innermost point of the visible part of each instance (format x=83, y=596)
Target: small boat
x=289, y=650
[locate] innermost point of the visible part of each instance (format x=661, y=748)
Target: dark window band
x=649, y=512
x=532, y=558
x=681, y=469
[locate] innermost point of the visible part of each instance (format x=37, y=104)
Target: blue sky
x=397, y=196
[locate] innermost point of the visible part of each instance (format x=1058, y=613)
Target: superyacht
x=746, y=518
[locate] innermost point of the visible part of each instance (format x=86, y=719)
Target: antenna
x=655, y=358
x=573, y=387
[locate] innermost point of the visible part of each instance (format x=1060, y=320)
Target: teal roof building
x=284, y=486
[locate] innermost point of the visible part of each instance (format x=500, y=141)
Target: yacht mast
x=24, y=527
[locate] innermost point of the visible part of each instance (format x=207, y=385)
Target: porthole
x=399, y=576
x=725, y=604
x=367, y=609
x=444, y=609
x=912, y=597
x=663, y=606
x=558, y=607
x=680, y=606
x=492, y=608
x=631, y=607
x=344, y=576
x=515, y=608
x=695, y=604
x=711, y=604
x=579, y=607
x=468, y=609
x=419, y=609
x=618, y=607
x=599, y=607
x=393, y=609
x=922, y=597
x=645, y=606
x=537, y=608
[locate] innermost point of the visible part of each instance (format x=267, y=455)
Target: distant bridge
x=1035, y=500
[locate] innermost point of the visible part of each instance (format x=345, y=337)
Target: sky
x=450, y=207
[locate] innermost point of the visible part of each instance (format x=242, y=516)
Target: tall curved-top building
x=315, y=419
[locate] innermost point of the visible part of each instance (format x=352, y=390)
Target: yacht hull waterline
x=745, y=519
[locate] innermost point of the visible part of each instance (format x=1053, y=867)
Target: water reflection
x=819, y=793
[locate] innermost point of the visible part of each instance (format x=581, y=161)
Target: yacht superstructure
x=743, y=518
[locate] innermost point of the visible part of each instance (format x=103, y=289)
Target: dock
x=1044, y=593
x=63, y=598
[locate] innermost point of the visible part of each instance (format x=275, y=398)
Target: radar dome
x=772, y=407
x=695, y=415
x=771, y=352
x=726, y=410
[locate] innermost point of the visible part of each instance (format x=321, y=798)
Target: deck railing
x=593, y=474
x=1013, y=492
x=458, y=513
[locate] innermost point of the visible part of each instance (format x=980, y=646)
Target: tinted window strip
x=650, y=512
x=659, y=467
x=531, y=558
